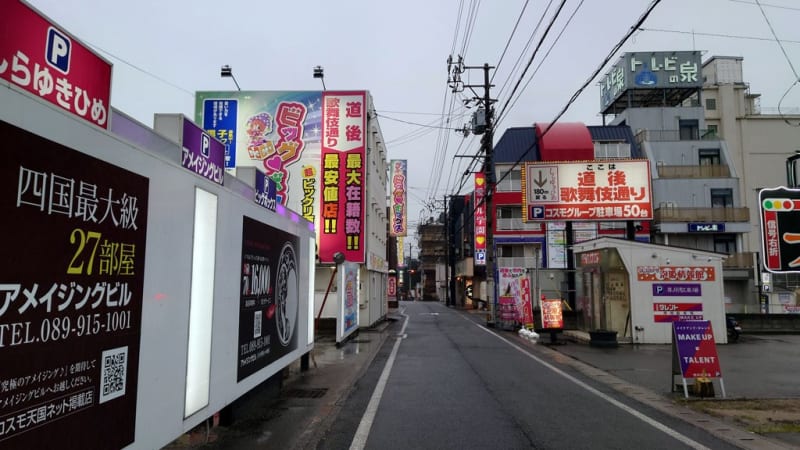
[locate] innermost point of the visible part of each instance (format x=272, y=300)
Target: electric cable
x=794, y=71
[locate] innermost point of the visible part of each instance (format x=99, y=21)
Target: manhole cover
x=306, y=393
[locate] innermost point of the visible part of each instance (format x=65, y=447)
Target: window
x=711, y=104
x=712, y=132
x=722, y=198
x=725, y=243
x=709, y=156
x=509, y=212
x=611, y=150
x=689, y=130
x=512, y=181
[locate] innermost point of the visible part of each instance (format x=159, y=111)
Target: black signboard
x=73, y=240
x=269, y=296
x=780, y=229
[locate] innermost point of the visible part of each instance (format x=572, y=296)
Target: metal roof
x=514, y=143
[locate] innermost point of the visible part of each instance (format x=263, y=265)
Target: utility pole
x=446, y=254
x=483, y=125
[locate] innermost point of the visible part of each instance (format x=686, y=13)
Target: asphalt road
x=445, y=381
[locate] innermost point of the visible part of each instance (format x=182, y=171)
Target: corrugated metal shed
x=514, y=143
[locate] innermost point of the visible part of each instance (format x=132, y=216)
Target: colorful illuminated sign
x=344, y=122
x=552, y=314
x=347, y=320
x=780, y=232
x=397, y=204
x=675, y=273
x=71, y=308
x=41, y=58
x=512, y=287
x=277, y=132
x=480, y=219
x=401, y=254
x=677, y=312
x=695, y=349
x=587, y=191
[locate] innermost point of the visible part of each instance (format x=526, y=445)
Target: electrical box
x=479, y=121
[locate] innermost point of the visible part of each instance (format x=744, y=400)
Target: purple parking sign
x=677, y=289
x=202, y=154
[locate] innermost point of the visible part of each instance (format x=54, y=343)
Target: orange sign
x=552, y=316
x=675, y=273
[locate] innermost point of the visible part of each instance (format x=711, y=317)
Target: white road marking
x=652, y=422
x=362, y=433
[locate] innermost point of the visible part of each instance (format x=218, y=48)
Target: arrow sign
x=540, y=181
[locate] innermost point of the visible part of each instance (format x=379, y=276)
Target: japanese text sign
x=695, y=349
x=268, y=301
x=399, y=185
x=219, y=120
x=587, y=191
x=202, y=154
x=552, y=315
x=677, y=312
x=675, y=273
x=265, y=193
x=651, y=70
x=780, y=229
x=36, y=55
x=480, y=219
x=344, y=122
x=71, y=302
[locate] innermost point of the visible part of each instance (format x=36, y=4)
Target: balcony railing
x=710, y=171
x=676, y=214
x=742, y=260
x=517, y=224
x=676, y=135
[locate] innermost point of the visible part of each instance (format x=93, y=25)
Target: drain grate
x=306, y=393
x=360, y=341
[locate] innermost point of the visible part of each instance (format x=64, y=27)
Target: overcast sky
x=164, y=51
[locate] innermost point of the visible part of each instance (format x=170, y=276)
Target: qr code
x=113, y=373
x=257, y=324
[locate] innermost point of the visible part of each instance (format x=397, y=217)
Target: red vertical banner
x=344, y=123
x=480, y=219
x=527, y=306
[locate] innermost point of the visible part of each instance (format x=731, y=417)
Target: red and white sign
x=480, y=219
x=672, y=273
x=590, y=190
x=344, y=124
x=391, y=289
x=677, y=312
x=590, y=258
x=38, y=56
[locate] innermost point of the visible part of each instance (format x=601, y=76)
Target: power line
x=719, y=35
x=796, y=78
x=415, y=123
x=572, y=100
x=508, y=42
x=541, y=62
x=530, y=61
x=767, y=5
x=771, y=29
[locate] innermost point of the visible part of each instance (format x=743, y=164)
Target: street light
x=226, y=71
x=319, y=72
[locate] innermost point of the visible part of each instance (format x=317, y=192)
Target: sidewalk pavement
x=756, y=367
